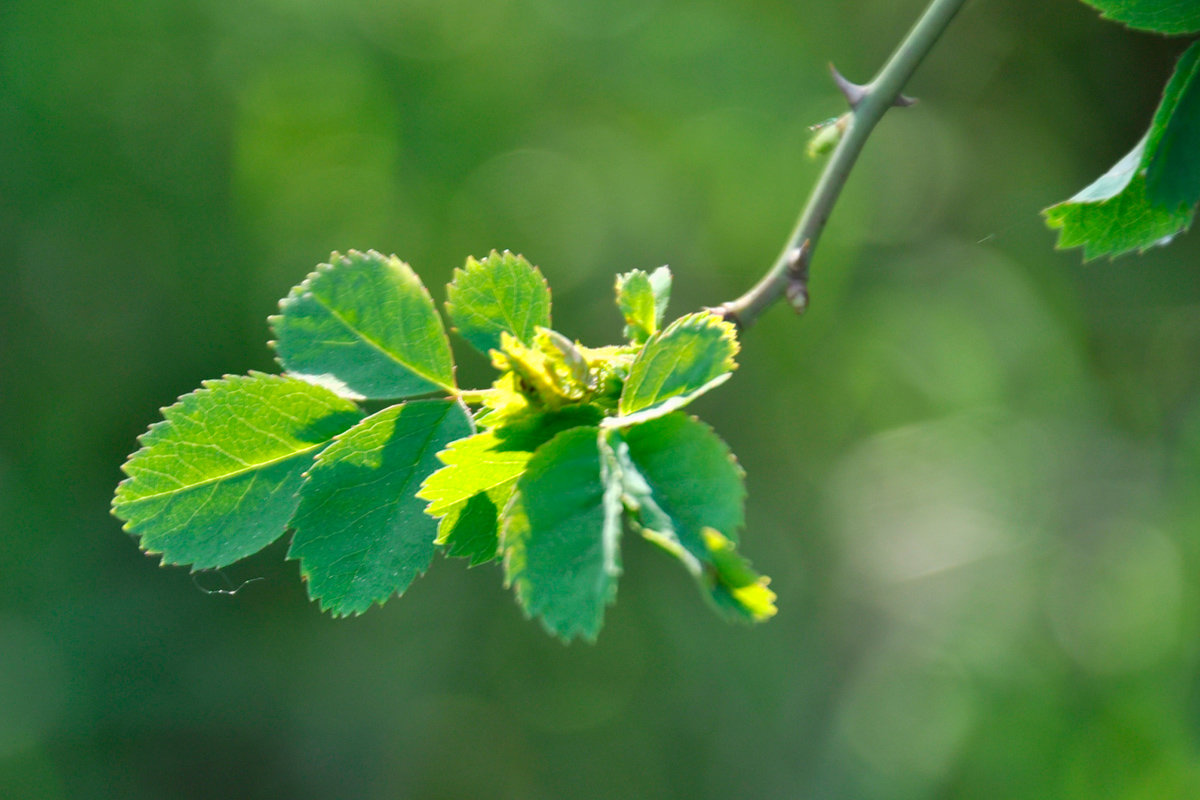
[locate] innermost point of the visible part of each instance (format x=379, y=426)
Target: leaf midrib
x=225, y=476
x=378, y=346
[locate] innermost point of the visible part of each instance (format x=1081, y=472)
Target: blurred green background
x=974, y=466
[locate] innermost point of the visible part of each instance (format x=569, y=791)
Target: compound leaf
x=1172, y=159
x=642, y=300
x=480, y=476
x=216, y=480
x=693, y=355
x=503, y=292
x=561, y=533
x=364, y=326
x=1161, y=16
x=361, y=532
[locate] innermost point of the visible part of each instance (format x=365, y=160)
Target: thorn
x=855, y=93
x=797, y=260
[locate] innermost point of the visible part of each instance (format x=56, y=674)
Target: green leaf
x=216, y=480
x=361, y=532
x=1149, y=196
x=693, y=355
x=689, y=480
x=1161, y=16
x=561, y=533
x=480, y=476
x=470, y=528
x=503, y=292
x=642, y=299
x=364, y=326
x=684, y=487
x=1172, y=159
x=1114, y=216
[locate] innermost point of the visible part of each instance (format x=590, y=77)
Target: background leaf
x=361, y=532
x=1172, y=159
x=561, y=534
x=681, y=362
x=216, y=480
x=1113, y=215
x=364, y=326
x=480, y=476
x=503, y=292
x=1161, y=16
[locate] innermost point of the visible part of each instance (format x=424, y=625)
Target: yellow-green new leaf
x=217, y=479
x=642, y=300
x=362, y=535
x=480, y=475
x=735, y=587
x=364, y=326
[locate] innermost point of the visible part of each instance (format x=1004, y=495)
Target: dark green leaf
x=216, y=480
x=1172, y=158
x=361, y=532
x=364, y=326
x=561, y=534
x=1149, y=196
x=480, y=476
x=1113, y=215
x=684, y=488
x=691, y=480
x=642, y=300
x=1161, y=16
x=694, y=354
x=503, y=292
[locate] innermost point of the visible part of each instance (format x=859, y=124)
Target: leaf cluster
x=567, y=450
x=1150, y=195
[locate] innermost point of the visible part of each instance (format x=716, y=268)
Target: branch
x=868, y=103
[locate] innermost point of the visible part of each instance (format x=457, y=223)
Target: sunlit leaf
x=693, y=355
x=503, y=292
x=364, y=326
x=561, y=534
x=361, y=531
x=480, y=476
x=216, y=480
